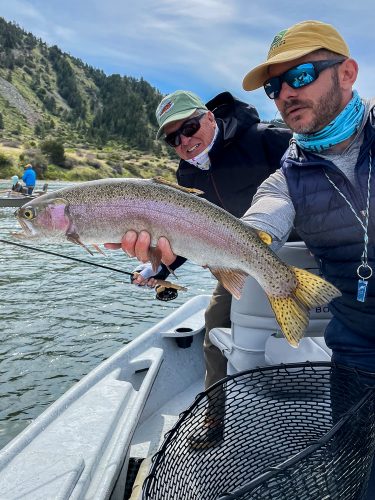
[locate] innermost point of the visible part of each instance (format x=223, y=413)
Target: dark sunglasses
x=299, y=76
x=188, y=129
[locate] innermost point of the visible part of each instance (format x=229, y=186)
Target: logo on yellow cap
x=277, y=42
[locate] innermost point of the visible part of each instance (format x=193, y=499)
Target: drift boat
x=14, y=199
x=97, y=440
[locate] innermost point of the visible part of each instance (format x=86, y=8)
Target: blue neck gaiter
x=338, y=130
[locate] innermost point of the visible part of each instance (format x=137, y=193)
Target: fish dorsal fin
x=231, y=279
x=166, y=182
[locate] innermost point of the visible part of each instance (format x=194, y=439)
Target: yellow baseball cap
x=293, y=43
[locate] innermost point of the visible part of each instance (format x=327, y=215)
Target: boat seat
x=255, y=338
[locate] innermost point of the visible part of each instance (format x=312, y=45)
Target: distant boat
x=14, y=199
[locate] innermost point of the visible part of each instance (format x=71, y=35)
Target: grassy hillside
x=85, y=163
x=104, y=125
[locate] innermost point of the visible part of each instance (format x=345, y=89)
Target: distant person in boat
x=29, y=178
x=225, y=152
x=16, y=185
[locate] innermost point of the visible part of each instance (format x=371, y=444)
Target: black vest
x=331, y=231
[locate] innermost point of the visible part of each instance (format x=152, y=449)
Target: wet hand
x=138, y=245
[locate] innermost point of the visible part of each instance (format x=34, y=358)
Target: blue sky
x=206, y=46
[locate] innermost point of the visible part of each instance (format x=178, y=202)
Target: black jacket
x=244, y=154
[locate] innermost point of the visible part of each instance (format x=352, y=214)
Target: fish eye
x=28, y=213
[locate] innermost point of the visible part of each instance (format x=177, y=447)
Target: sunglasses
x=298, y=77
x=188, y=129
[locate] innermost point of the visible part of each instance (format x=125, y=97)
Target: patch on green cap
x=177, y=106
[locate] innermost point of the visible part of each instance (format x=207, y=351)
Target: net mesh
x=297, y=431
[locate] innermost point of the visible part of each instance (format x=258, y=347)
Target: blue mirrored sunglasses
x=299, y=76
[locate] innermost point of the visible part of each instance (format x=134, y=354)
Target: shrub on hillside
x=54, y=150
x=94, y=163
x=71, y=162
x=134, y=170
x=117, y=169
x=11, y=144
x=5, y=161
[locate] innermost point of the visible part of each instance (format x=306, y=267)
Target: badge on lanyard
x=362, y=290
x=362, y=282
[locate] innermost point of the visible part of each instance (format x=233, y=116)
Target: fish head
x=44, y=218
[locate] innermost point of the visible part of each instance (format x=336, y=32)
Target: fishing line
x=65, y=256
x=164, y=294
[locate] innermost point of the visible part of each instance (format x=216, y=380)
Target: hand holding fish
x=138, y=245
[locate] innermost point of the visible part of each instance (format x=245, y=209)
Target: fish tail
x=312, y=290
x=292, y=316
x=292, y=312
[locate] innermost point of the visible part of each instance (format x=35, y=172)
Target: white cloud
x=205, y=45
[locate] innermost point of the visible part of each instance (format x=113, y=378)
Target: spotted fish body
x=103, y=211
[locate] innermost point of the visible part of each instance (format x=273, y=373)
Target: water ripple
x=60, y=319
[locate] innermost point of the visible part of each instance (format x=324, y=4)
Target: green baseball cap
x=177, y=106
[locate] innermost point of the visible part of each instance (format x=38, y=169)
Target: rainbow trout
x=97, y=212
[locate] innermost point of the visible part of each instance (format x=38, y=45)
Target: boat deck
x=150, y=435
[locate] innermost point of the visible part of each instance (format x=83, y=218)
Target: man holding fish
x=226, y=153
x=325, y=187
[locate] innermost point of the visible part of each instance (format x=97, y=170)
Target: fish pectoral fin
x=292, y=316
x=98, y=249
x=154, y=256
x=232, y=280
x=74, y=238
x=312, y=290
x=166, y=182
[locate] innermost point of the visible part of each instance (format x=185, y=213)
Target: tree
x=1, y=121
x=54, y=150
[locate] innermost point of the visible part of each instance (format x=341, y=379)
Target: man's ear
x=211, y=116
x=348, y=73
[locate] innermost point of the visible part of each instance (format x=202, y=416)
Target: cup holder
x=185, y=340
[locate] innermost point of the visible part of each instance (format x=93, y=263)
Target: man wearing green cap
x=225, y=152
x=326, y=186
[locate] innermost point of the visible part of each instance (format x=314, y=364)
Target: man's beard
x=324, y=111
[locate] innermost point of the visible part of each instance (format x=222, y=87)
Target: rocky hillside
x=47, y=95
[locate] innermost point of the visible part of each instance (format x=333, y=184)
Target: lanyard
x=364, y=270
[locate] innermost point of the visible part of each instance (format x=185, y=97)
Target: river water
x=60, y=319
